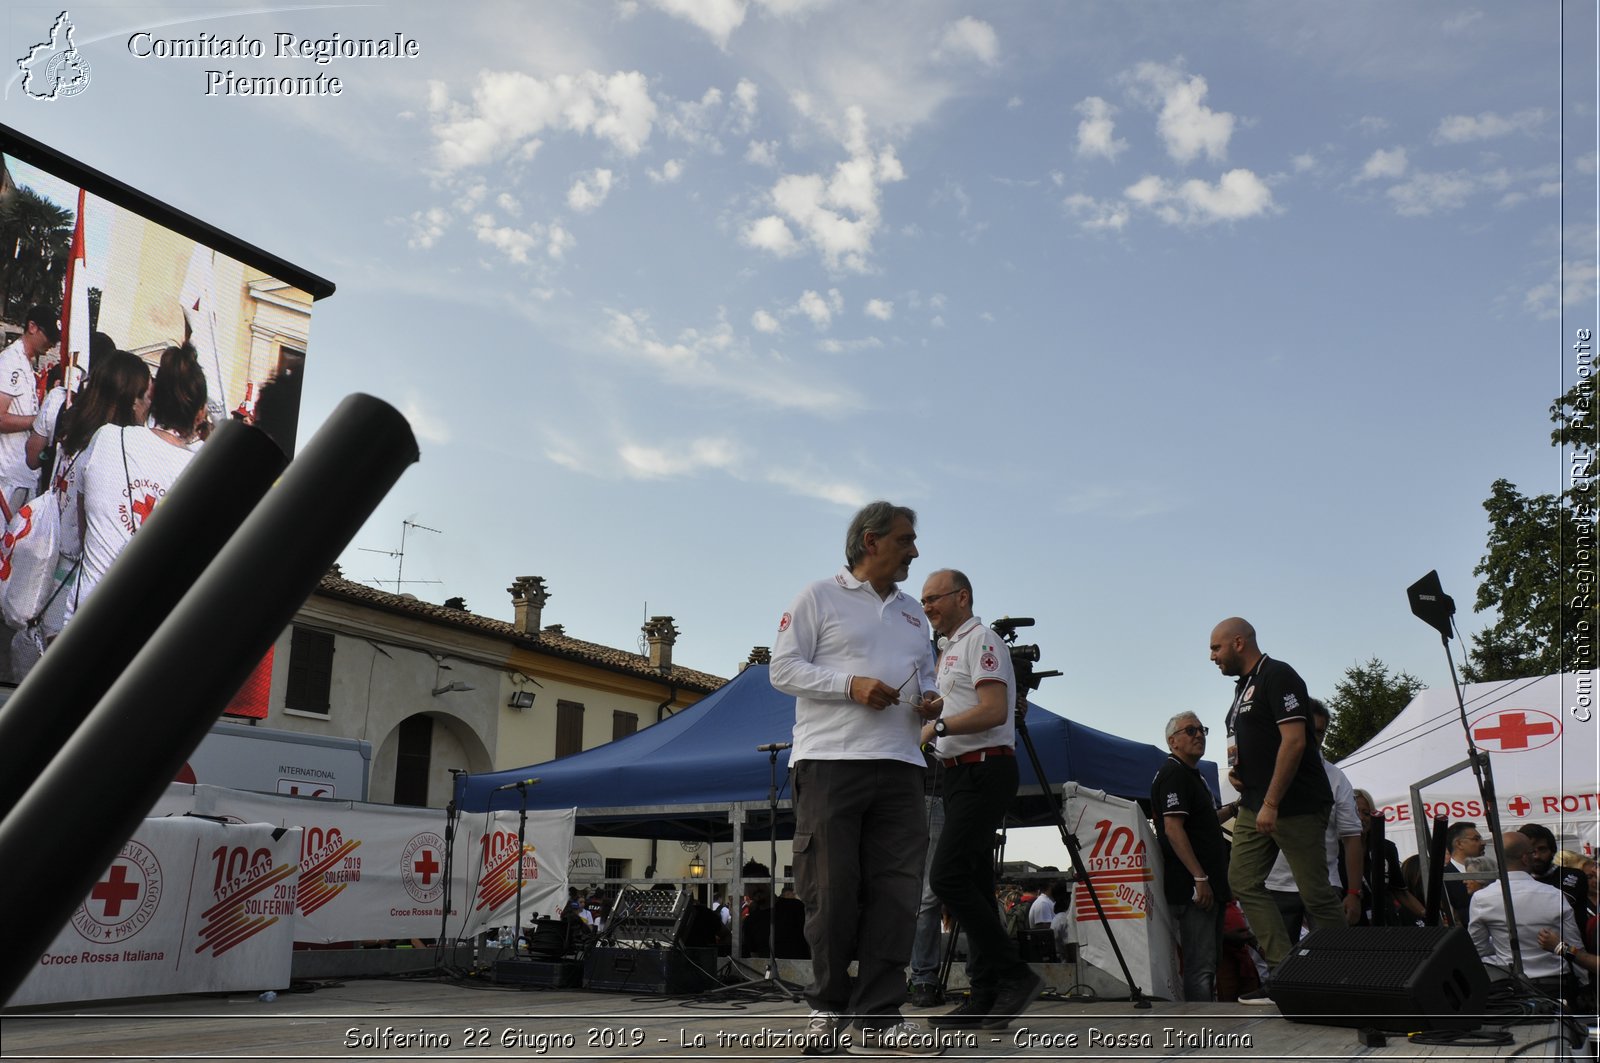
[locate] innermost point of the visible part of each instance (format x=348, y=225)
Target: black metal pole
x=206, y=506
x=89, y=801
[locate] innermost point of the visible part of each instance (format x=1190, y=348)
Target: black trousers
x=975, y=800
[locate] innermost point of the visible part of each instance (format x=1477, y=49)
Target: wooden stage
x=392, y=1019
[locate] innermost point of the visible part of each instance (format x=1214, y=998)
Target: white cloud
x=817, y=308
x=654, y=463
x=509, y=110
x=762, y=321
x=670, y=171
x=718, y=18
x=1013, y=103
x=972, y=37
x=1236, y=196
x=1429, y=193
x=1187, y=126
x=745, y=96
x=1371, y=124
x=762, y=153
x=1384, y=164
x=833, y=346
x=881, y=309
x=1575, y=286
x=770, y=234
x=838, y=214
x=1461, y=128
x=811, y=486
x=515, y=244
x=560, y=241
x=428, y=426
x=712, y=360
x=589, y=190
x=1096, y=134
x=1305, y=162
x=427, y=226
x=1095, y=213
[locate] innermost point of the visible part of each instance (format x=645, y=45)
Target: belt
x=978, y=756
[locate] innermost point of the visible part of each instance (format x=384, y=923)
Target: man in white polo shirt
x=854, y=652
x=19, y=403
x=975, y=737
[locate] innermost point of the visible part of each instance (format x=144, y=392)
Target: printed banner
x=1123, y=859
x=188, y=906
x=378, y=871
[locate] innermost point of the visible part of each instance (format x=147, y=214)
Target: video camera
x=1023, y=656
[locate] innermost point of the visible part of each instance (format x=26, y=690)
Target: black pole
x=208, y=503
x=522, y=848
x=1070, y=840
x=91, y=798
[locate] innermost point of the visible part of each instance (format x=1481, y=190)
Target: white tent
x=1540, y=735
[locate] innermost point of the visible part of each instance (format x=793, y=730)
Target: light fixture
x=455, y=686
x=697, y=867
x=521, y=699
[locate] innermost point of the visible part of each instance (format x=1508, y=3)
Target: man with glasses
x=1465, y=844
x=1194, y=854
x=975, y=739
x=1284, y=797
x=854, y=652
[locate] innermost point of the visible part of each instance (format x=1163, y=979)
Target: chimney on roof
x=528, y=595
x=555, y=629
x=660, y=633
x=456, y=603
x=335, y=571
x=758, y=655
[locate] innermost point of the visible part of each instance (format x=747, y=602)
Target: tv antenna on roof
x=400, y=565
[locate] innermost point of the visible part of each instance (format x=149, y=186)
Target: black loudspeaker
x=663, y=972
x=1036, y=946
x=549, y=974
x=1396, y=978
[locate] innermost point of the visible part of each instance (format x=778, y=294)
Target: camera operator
x=974, y=737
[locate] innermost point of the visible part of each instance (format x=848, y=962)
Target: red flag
x=75, y=306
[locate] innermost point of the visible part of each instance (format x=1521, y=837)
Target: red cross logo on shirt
x=114, y=890
x=426, y=867
x=1519, y=805
x=144, y=506
x=1512, y=729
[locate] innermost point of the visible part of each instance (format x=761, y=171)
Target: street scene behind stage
x=903, y=721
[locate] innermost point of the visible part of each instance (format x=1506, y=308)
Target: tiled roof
x=556, y=645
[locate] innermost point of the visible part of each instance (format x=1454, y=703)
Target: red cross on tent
x=427, y=866
x=1512, y=730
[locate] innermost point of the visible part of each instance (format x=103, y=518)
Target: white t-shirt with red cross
x=117, y=496
x=19, y=394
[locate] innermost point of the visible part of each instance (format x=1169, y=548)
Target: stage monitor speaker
x=662, y=972
x=548, y=974
x=1398, y=978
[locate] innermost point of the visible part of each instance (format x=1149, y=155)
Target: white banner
x=188, y=906
x=378, y=871
x=1123, y=859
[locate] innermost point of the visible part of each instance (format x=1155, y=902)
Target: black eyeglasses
x=1193, y=732
x=935, y=597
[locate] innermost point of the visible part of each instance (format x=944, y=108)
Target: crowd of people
x=103, y=454
x=1303, y=853
x=879, y=856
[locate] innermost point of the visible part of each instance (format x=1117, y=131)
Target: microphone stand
x=518, y=944
x=771, y=981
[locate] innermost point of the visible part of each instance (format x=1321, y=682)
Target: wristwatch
x=941, y=728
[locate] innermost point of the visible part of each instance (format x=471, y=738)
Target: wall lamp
x=521, y=699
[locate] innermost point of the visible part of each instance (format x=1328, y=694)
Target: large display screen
x=92, y=271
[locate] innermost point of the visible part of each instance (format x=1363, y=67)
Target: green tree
x=1538, y=572
x=35, y=241
x=1363, y=702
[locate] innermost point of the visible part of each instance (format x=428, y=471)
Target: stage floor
x=390, y=1019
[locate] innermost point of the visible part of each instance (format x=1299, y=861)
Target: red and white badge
x=783, y=625
x=989, y=662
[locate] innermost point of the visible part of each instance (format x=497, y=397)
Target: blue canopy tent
x=669, y=779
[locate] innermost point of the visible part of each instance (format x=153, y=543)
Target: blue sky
x=1156, y=313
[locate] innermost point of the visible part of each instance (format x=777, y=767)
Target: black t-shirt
x=1179, y=790
x=1575, y=884
x=1268, y=695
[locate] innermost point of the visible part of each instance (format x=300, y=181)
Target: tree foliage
x=35, y=242
x=1363, y=703
x=1539, y=569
